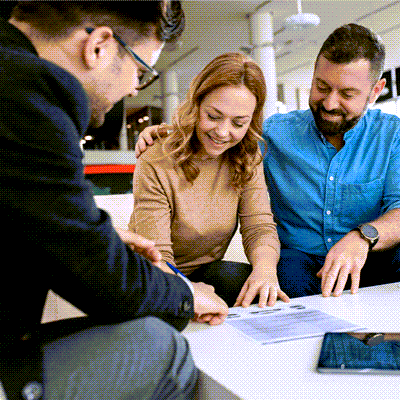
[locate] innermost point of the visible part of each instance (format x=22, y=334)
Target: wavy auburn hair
x=181, y=143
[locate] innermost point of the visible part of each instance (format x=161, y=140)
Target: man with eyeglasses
x=148, y=73
x=63, y=66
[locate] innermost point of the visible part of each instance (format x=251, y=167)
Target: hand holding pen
x=208, y=306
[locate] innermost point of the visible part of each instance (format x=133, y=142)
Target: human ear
x=99, y=47
x=377, y=90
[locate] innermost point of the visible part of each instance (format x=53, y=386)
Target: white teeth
x=216, y=141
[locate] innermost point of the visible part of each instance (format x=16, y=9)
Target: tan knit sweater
x=193, y=223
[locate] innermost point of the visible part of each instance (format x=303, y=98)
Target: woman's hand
x=264, y=284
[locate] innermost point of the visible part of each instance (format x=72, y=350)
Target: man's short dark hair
x=353, y=42
x=57, y=19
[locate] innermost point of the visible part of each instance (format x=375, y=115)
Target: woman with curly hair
x=203, y=176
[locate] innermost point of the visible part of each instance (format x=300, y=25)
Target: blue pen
x=176, y=270
x=179, y=273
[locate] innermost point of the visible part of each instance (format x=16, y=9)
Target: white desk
x=234, y=367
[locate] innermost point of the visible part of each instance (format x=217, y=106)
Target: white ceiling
x=214, y=27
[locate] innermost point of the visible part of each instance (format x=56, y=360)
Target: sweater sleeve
x=256, y=220
x=151, y=216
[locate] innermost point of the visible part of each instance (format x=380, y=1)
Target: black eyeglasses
x=150, y=74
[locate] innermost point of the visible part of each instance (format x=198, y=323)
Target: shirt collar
x=12, y=36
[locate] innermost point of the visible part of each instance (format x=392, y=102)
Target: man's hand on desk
x=208, y=307
x=346, y=257
x=141, y=245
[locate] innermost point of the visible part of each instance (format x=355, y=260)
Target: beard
x=99, y=107
x=96, y=119
x=99, y=94
x=333, y=128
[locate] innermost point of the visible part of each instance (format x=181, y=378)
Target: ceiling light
x=301, y=20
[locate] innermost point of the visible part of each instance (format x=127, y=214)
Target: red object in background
x=109, y=168
x=110, y=178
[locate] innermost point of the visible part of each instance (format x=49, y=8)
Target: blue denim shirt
x=318, y=194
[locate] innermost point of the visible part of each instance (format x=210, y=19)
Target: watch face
x=374, y=339
x=369, y=231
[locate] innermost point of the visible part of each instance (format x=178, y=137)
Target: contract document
x=288, y=322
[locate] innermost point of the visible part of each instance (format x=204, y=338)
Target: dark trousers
x=227, y=277
x=297, y=271
x=145, y=358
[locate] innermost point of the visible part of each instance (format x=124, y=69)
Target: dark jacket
x=55, y=236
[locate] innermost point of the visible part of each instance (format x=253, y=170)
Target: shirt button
x=331, y=178
x=329, y=240
x=328, y=212
x=32, y=391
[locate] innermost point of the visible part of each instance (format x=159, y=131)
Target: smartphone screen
x=344, y=353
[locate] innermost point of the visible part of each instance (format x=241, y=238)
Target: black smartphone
x=360, y=353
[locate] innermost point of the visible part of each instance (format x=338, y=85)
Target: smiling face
x=340, y=94
x=224, y=118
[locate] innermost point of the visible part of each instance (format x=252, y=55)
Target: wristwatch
x=369, y=233
x=372, y=339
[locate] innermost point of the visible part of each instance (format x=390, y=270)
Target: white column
x=290, y=96
x=171, y=98
x=123, y=135
x=261, y=30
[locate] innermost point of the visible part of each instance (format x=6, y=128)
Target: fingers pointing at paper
x=264, y=285
x=344, y=260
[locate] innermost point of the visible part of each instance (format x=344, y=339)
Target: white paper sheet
x=277, y=324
